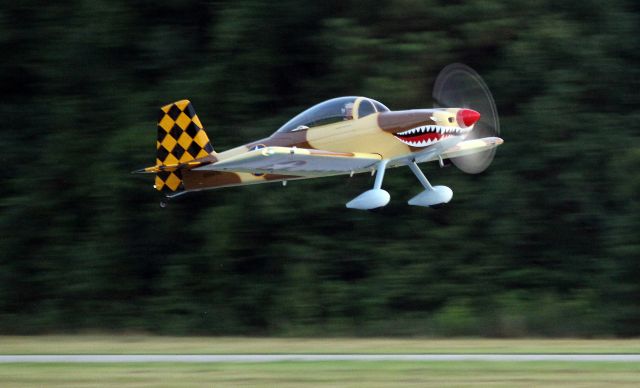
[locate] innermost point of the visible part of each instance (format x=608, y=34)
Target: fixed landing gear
x=432, y=196
x=374, y=198
x=164, y=201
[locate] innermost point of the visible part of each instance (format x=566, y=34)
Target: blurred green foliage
x=544, y=243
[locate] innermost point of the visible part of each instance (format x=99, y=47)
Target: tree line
x=544, y=243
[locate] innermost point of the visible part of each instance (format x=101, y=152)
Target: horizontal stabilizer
x=171, y=167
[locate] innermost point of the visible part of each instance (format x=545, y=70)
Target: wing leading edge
x=296, y=161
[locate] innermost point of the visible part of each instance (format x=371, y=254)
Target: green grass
x=316, y=374
x=141, y=344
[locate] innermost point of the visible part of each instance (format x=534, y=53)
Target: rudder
x=181, y=143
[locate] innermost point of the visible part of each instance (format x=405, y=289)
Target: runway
x=264, y=358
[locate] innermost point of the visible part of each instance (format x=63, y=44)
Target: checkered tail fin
x=182, y=144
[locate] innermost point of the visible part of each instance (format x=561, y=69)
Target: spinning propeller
x=459, y=86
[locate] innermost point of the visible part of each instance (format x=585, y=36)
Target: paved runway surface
x=142, y=358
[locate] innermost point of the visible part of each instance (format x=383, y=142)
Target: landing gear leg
x=164, y=202
x=374, y=198
x=432, y=196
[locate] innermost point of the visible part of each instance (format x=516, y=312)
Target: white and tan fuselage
x=398, y=137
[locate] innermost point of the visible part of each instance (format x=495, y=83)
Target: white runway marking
x=226, y=358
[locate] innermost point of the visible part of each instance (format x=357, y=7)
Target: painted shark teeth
x=426, y=135
x=433, y=129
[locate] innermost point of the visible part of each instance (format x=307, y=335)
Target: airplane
x=341, y=136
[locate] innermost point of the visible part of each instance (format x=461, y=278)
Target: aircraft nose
x=468, y=117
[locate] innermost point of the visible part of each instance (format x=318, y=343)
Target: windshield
x=330, y=111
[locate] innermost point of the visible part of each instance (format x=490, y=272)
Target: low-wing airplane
x=345, y=135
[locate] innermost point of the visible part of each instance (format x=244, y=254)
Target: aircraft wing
x=296, y=161
x=453, y=148
x=469, y=147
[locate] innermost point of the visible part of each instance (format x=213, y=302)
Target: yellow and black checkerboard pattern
x=181, y=139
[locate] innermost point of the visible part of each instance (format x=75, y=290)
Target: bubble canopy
x=333, y=111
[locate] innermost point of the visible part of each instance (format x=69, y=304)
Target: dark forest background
x=544, y=243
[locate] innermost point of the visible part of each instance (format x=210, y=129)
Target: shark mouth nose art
x=428, y=134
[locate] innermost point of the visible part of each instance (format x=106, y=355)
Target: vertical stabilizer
x=181, y=140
